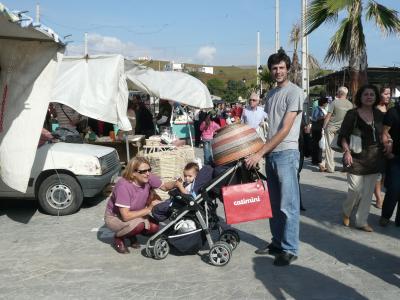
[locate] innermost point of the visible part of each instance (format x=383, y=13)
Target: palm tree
x=294, y=39
x=295, y=70
x=348, y=43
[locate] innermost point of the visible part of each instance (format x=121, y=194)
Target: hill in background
x=224, y=73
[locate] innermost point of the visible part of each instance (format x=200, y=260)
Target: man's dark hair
x=278, y=57
x=357, y=99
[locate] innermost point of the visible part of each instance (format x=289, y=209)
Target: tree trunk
x=295, y=70
x=358, y=72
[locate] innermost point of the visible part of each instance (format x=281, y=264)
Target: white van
x=64, y=173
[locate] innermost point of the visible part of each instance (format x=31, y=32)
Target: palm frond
x=386, y=19
x=338, y=5
x=295, y=36
x=339, y=47
x=323, y=11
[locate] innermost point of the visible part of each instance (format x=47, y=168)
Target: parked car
x=64, y=173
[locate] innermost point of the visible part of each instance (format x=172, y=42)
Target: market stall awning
x=175, y=86
x=95, y=87
x=29, y=57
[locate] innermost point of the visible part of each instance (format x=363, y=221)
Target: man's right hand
x=252, y=160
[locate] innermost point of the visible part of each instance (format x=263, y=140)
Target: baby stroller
x=193, y=220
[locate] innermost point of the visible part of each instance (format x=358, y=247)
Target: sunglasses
x=143, y=171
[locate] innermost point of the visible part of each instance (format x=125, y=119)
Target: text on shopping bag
x=246, y=202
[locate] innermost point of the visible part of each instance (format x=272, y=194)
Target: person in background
x=332, y=122
x=100, y=128
x=384, y=93
x=144, y=121
x=208, y=128
x=164, y=114
x=284, y=106
x=317, y=119
x=45, y=137
x=131, y=202
x=254, y=115
x=391, y=141
x=66, y=116
x=131, y=113
x=362, y=168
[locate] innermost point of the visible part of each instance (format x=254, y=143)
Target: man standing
x=284, y=105
x=336, y=111
x=253, y=115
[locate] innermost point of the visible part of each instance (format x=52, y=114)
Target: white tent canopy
x=176, y=86
x=95, y=87
x=29, y=57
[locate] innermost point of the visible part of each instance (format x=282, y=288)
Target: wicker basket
x=169, y=163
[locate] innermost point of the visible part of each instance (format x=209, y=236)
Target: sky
x=212, y=32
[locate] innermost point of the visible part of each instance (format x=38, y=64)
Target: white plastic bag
x=321, y=142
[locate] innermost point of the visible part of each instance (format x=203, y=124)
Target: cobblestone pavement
x=70, y=257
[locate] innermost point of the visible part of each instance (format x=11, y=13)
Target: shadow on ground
x=326, y=211
x=18, y=210
x=300, y=282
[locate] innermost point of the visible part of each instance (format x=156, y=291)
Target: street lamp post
x=260, y=69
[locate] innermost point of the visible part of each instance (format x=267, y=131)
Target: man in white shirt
x=253, y=115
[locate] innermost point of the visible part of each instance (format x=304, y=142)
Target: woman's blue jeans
x=284, y=192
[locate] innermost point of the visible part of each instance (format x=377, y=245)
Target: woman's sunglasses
x=143, y=171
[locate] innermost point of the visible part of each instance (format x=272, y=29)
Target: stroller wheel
x=149, y=251
x=230, y=237
x=161, y=249
x=220, y=254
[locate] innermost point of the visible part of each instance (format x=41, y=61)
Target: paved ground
x=45, y=257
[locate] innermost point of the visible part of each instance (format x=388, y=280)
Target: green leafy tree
x=236, y=89
x=295, y=70
x=266, y=78
x=216, y=86
x=348, y=42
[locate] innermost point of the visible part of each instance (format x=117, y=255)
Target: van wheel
x=60, y=195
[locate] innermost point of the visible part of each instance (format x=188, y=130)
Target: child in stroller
x=193, y=219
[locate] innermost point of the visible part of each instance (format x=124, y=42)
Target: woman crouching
x=129, y=207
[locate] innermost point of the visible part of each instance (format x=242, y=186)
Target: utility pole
x=305, y=80
x=277, y=42
x=258, y=57
x=86, y=44
x=37, y=13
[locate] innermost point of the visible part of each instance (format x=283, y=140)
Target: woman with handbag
x=363, y=154
x=317, y=120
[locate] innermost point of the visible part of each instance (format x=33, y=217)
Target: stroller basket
x=187, y=243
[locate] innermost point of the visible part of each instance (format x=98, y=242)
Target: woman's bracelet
x=346, y=150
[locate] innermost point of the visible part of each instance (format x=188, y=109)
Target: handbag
x=355, y=139
x=246, y=202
